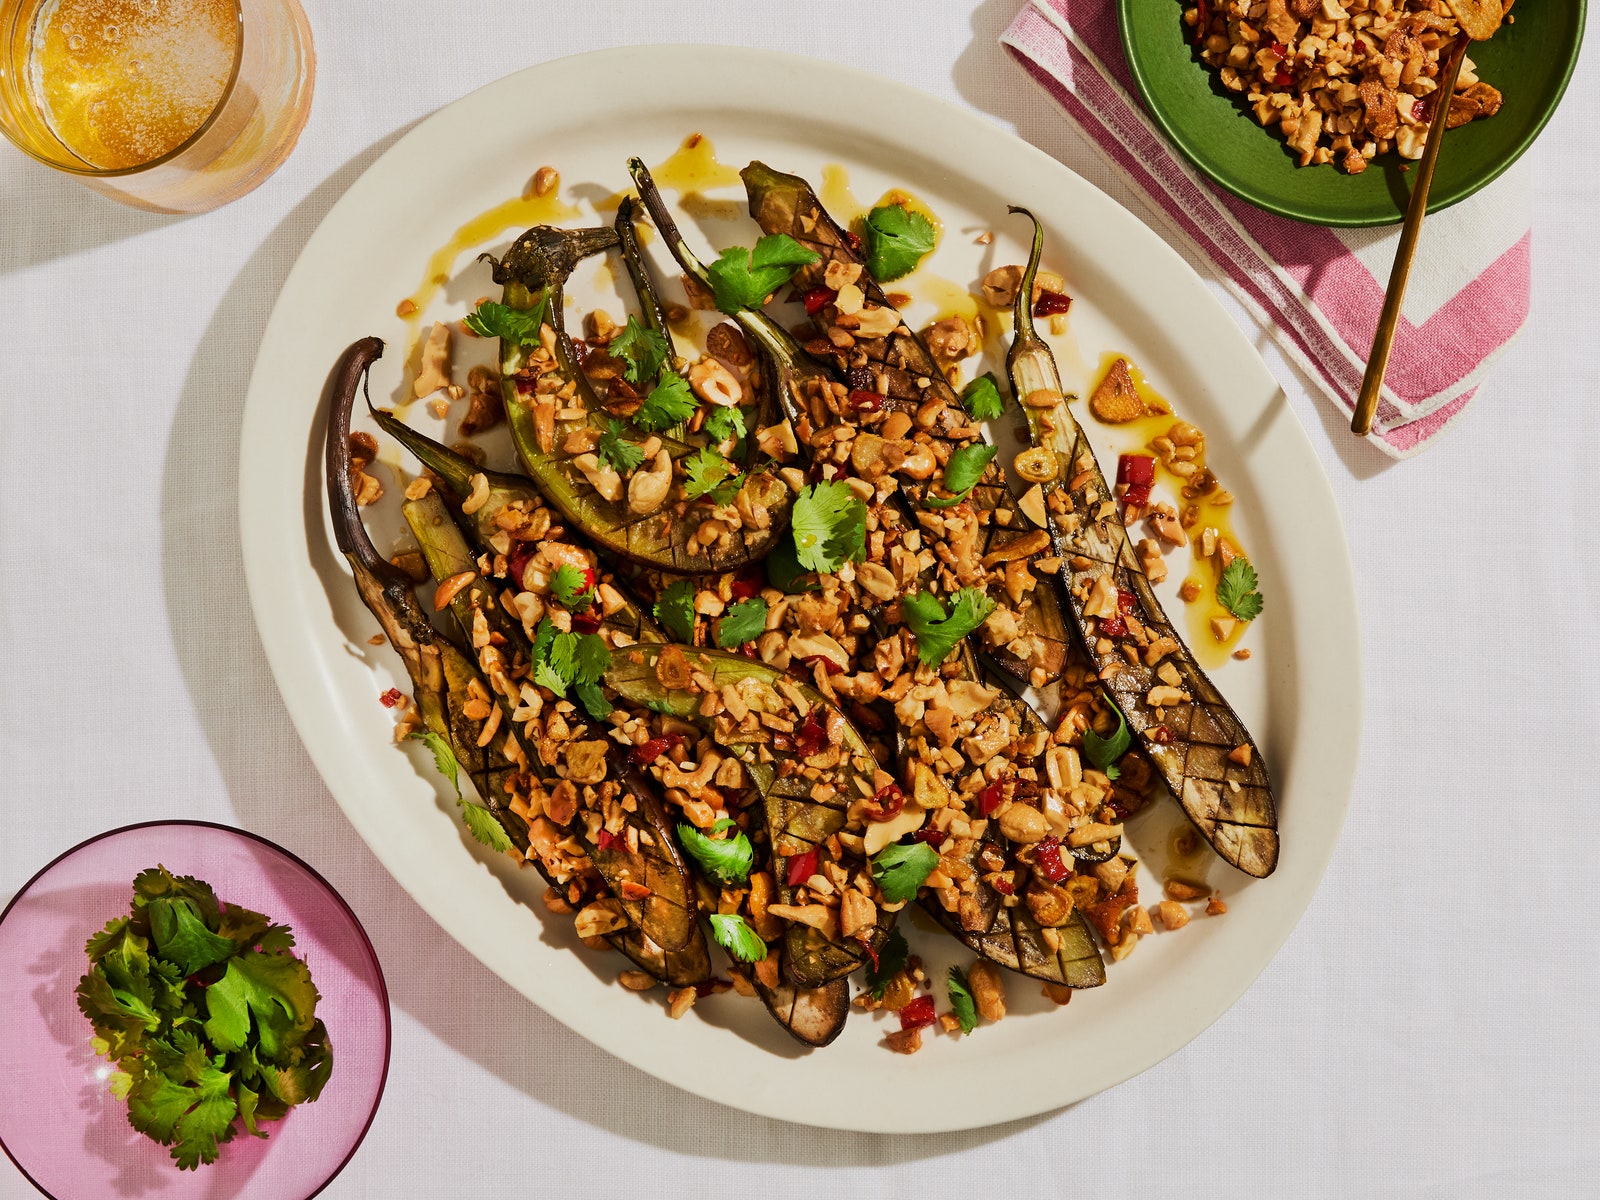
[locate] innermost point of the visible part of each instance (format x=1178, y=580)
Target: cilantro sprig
x=675, y=610
x=743, y=279
x=707, y=473
x=962, y=1002
x=669, y=403
x=642, y=350
x=897, y=238
x=733, y=933
x=725, y=422
x=938, y=633
x=1236, y=590
x=965, y=467
x=741, y=623
x=900, y=870
x=575, y=660
x=622, y=454
x=830, y=527
x=572, y=588
x=981, y=398
x=726, y=860
x=210, y=1019
x=491, y=319
x=480, y=822
x=1104, y=753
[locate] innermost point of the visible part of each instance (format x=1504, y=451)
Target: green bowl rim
x=1155, y=114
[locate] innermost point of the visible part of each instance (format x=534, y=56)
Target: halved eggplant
x=814, y=1016
x=653, y=533
x=1196, y=741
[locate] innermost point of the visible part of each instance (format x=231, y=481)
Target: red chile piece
x=864, y=401
x=989, y=799
x=390, y=698
x=1051, y=304
x=934, y=837
x=1135, y=469
x=747, y=584
x=586, y=622
x=607, y=840
x=887, y=804
x=653, y=749
x=1113, y=626
x=818, y=298
x=1047, y=860
x=802, y=867
x=812, y=735
x=1126, y=600
x=918, y=1013
x=517, y=562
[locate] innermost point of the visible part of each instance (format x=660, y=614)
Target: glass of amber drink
x=168, y=105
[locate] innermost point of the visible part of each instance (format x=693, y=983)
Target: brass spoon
x=1383, y=339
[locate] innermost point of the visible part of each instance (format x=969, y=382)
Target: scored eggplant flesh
x=1195, y=744
x=812, y=1016
x=795, y=815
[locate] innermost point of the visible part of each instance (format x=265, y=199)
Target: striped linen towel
x=1317, y=291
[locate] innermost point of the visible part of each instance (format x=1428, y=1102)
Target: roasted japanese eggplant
x=551, y=404
x=1189, y=732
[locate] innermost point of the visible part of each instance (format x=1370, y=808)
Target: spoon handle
x=1383, y=339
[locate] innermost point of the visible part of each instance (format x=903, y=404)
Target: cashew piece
x=601, y=476
x=715, y=384
x=647, y=490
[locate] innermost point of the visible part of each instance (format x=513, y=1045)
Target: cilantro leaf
x=642, y=350
x=622, y=454
x=938, y=634
x=302, y=1080
x=275, y=989
x=896, y=239
x=669, y=403
x=1236, y=590
x=1104, y=753
x=709, y=474
x=484, y=827
x=981, y=399
x=784, y=571
x=744, y=622
x=593, y=700
x=120, y=1015
x=181, y=1099
x=180, y=935
x=961, y=1001
x=830, y=527
x=444, y=758
x=724, y=423
x=518, y=326
x=571, y=588
x=590, y=658
x=544, y=675
x=675, y=610
x=900, y=870
x=725, y=860
x=965, y=467
x=892, y=956
x=743, y=279
x=733, y=933
x=158, y=882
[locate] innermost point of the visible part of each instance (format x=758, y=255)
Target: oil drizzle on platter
x=1201, y=513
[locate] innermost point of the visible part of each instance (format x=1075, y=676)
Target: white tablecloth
x=1428, y=1030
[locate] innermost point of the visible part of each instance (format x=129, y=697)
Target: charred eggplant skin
x=1189, y=742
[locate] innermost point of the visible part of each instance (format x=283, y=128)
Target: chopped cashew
x=434, y=374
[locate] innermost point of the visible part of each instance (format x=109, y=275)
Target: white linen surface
x=1429, y=1029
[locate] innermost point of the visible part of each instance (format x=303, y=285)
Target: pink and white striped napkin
x=1317, y=291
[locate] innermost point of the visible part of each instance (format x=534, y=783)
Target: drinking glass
x=167, y=105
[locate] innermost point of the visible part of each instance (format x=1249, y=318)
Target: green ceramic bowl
x=1529, y=60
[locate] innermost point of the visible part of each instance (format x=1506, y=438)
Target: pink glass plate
x=58, y=1120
